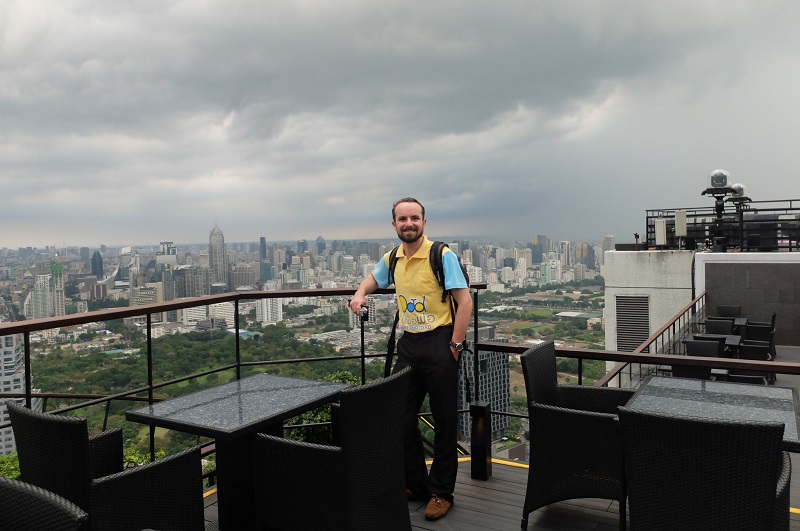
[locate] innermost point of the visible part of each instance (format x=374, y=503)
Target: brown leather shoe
x=437, y=507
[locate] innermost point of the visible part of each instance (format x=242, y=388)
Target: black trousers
x=435, y=374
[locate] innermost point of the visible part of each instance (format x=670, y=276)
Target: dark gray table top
x=238, y=408
x=731, y=340
x=721, y=400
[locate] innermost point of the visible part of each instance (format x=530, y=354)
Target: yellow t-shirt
x=419, y=296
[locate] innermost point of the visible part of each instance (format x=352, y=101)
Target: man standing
x=431, y=343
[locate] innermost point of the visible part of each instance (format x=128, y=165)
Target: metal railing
x=655, y=351
x=746, y=225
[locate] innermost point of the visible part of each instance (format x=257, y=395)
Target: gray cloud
x=140, y=122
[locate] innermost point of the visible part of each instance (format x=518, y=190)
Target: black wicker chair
x=721, y=325
x=56, y=454
x=729, y=310
x=692, y=473
x=770, y=323
x=575, y=442
x=726, y=353
x=696, y=347
x=359, y=485
x=27, y=507
x=754, y=350
x=761, y=334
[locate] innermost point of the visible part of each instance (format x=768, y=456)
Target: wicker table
x=232, y=413
x=722, y=400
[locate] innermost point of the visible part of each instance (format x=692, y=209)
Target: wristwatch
x=458, y=346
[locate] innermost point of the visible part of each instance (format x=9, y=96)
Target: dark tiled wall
x=760, y=289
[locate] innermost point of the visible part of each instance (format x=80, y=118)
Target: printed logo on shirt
x=412, y=305
x=415, y=315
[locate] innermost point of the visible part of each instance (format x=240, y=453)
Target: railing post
x=236, y=325
x=28, y=385
x=481, y=444
x=480, y=412
x=363, y=316
x=150, y=382
x=475, y=365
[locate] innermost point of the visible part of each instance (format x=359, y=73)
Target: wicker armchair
x=754, y=350
x=696, y=347
x=692, y=473
x=359, y=485
x=56, y=454
x=27, y=507
x=719, y=325
x=761, y=335
x=729, y=310
x=575, y=446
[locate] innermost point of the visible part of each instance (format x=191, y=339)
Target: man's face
x=408, y=222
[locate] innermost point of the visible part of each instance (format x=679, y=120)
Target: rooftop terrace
x=492, y=504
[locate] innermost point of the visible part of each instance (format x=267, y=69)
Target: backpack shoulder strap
x=437, y=249
x=387, y=366
x=392, y=263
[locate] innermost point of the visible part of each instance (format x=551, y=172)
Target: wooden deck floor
x=496, y=504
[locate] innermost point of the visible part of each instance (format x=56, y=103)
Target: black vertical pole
x=150, y=382
x=475, y=364
x=236, y=324
x=28, y=386
x=480, y=413
x=364, y=315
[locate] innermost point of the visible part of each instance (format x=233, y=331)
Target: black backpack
x=435, y=258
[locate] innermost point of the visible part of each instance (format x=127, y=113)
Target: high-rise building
x=41, y=301
x=57, y=281
x=223, y=312
x=494, y=377
x=217, y=255
x=12, y=380
x=97, y=265
x=242, y=275
x=192, y=281
x=167, y=249
x=269, y=311
x=565, y=254
x=262, y=250
x=320, y=245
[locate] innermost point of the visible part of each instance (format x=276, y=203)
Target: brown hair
x=407, y=200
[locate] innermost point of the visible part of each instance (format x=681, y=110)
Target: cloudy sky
x=130, y=123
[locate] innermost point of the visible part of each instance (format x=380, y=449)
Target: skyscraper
x=84, y=253
x=59, y=299
x=12, y=378
x=97, y=265
x=42, y=301
x=217, y=257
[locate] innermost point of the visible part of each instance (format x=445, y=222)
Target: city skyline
x=294, y=119
x=292, y=242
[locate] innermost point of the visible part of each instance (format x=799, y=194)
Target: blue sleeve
x=453, y=276
x=381, y=273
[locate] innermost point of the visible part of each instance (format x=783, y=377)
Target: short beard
x=410, y=237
